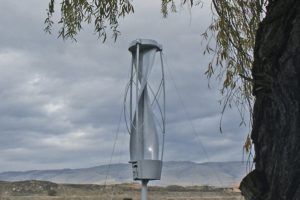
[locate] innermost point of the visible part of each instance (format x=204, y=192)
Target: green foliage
x=230, y=41
x=102, y=13
x=234, y=27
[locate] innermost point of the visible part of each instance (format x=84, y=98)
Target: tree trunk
x=276, y=118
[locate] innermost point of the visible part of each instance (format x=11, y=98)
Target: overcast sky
x=60, y=102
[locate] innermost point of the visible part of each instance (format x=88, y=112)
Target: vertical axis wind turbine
x=146, y=101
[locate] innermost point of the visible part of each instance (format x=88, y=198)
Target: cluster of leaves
x=167, y=5
x=234, y=25
x=103, y=13
x=230, y=40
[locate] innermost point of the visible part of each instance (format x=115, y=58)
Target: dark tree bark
x=276, y=119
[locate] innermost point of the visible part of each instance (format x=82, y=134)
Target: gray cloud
x=61, y=101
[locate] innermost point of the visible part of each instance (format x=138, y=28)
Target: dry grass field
x=42, y=190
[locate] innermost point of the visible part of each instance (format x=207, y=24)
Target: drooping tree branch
x=104, y=14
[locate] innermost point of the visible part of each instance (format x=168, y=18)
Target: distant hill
x=174, y=173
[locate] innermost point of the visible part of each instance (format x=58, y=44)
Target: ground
x=43, y=190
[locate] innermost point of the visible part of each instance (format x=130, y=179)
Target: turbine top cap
x=144, y=44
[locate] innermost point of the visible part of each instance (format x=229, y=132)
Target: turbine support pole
x=144, y=190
